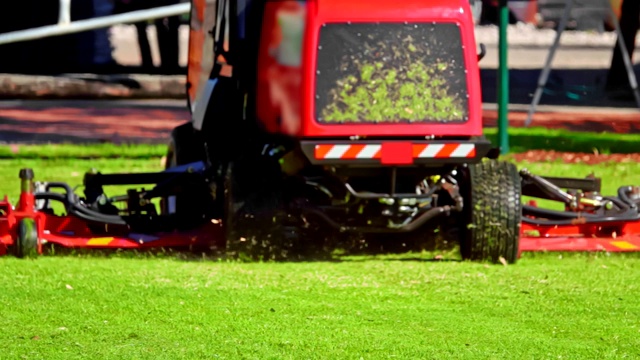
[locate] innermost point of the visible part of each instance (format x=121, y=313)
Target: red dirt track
x=151, y=122
x=91, y=121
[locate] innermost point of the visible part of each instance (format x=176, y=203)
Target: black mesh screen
x=390, y=73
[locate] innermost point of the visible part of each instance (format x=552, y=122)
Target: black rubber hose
x=80, y=211
x=61, y=185
x=84, y=212
x=52, y=196
x=571, y=222
x=623, y=194
x=592, y=219
x=619, y=203
x=531, y=210
x=99, y=220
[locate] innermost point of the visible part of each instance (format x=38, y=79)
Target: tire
x=491, y=230
x=255, y=221
x=26, y=245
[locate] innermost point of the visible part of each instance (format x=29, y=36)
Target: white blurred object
x=476, y=10
x=289, y=52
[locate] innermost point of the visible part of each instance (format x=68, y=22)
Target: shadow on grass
x=417, y=251
x=449, y=254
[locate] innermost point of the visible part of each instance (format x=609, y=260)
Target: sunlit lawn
x=547, y=306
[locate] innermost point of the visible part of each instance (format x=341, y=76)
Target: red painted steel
x=72, y=232
x=338, y=11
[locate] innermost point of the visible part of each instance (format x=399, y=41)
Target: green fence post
x=503, y=80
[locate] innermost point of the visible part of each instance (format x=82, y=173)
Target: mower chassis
x=589, y=222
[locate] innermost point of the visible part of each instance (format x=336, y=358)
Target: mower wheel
x=26, y=245
x=254, y=219
x=491, y=231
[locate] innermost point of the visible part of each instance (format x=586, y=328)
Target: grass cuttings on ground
x=577, y=306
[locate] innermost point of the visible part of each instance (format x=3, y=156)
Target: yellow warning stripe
x=623, y=245
x=100, y=241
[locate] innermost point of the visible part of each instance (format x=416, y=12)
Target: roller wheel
x=491, y=228
x=27, y=241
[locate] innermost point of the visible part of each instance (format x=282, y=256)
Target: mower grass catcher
x=321, y=124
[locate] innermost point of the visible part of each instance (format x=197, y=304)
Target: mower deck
x=569, y=244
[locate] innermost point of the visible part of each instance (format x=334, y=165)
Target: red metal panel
x=337, y=11
x=397, y=153
x=628, y=244
x=280, y=71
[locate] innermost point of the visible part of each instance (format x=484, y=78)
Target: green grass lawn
x=547, y=306
x=520, y=139
x=523, y=139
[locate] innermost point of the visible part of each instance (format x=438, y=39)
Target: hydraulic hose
x=80, y=211
x=569, y=218
x=623, y=194
x=611, y=219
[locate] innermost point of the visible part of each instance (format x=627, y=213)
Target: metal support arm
x=63, y=27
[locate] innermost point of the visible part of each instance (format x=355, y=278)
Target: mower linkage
x=396, y=205
x=583, y=202
x=96, y=207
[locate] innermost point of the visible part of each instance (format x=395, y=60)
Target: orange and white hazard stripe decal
x=444, y=151
x=373, y=151
x=347, y=151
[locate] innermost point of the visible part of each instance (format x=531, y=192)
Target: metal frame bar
x=544, y=75
x=65, y=26
x=64, y=17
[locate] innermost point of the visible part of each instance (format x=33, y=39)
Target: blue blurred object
x=103, y=48
x=93, y=48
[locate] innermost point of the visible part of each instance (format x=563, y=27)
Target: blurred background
x=160, y=46
x=154, y=46
x=147, y=60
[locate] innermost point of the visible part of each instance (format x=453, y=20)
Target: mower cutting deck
x=30, y=225
x=588, y=222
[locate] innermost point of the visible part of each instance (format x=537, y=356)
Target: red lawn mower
x=322, y=121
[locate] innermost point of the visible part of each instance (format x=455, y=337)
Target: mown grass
x=83, y=151
x=520, y=140
x=547, y=306
x=577, y=307
x=523, y=139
